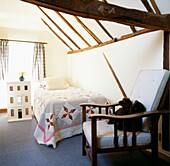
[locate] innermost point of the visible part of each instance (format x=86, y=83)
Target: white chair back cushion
x=148, y=89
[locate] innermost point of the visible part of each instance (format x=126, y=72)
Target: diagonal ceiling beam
x=133, y=29
x=104, y=29
x=101, y=10
x=56, y=35
x=58, y=27
x=147, y=6
x=88, y=30
x=155, y=7
x=78, y=34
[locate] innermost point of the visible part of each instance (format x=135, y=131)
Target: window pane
x=20, y=60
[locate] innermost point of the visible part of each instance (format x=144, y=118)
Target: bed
x=58, y=112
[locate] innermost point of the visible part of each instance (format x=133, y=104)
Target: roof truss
x=101, y=11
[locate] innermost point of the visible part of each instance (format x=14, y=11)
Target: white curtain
x=38, y=70
x=4, y=58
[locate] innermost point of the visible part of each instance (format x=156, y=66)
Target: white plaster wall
x=90, y=71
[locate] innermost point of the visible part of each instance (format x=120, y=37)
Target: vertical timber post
x=166, y=118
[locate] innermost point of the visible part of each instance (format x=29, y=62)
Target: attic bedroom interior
x=95, y=48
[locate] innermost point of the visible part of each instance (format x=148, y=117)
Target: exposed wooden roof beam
x=166, y=50
x=155, y=7
x=60, y=29
x=101, y=25
x=103, y=11
x=147, y=6
x=165, y=119
x=57, y=35
x=78, y=34
x=140, y=32
x=133, y=29
x=88, y=30
x=136, y=18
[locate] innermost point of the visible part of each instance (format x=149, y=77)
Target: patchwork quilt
x=59, y=114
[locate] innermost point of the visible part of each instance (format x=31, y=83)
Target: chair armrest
x=132, y=116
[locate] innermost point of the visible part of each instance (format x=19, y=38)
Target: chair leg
x=155, y=137
x=155, y=153
x=155, y=140
x=83, y=144
x=94, y=161
x=94, y=157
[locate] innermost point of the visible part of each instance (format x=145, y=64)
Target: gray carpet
x=19, y=148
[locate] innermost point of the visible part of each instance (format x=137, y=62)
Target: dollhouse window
x=18, y=88
x=26, y=111
x=26, y=98
x=19, y=99
x=25, y=87
x=11, y=100
x=12, y=112
x=11, y=88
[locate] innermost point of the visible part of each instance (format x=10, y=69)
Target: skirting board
x=164, y=155
x=4, y=110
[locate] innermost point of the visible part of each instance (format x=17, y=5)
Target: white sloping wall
x=89, y=69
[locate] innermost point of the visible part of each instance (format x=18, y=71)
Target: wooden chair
x=98, y=136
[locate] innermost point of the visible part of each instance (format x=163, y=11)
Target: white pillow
x=72, y=83
x=55, y=83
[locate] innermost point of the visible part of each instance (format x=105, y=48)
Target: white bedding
x=58, y=113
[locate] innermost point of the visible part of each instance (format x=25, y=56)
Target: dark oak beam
x=104, y=29
x=136, y=18
x=101, y=10
x=133, y=29
x=166, y=50
x=166, y=119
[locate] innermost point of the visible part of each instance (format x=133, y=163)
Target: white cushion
x=55, y=83
x=105, y=135
x=148, y=89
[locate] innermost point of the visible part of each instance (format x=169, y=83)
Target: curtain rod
x=23, y=41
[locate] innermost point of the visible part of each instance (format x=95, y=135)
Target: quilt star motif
x=49, y=121
x=68, y=113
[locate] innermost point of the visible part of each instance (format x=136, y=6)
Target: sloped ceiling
x=16, y=14
x=78, y=33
